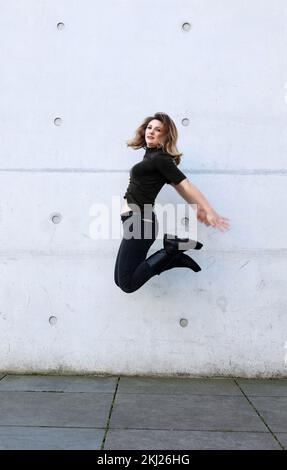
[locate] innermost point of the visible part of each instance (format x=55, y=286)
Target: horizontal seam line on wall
x=262, y=171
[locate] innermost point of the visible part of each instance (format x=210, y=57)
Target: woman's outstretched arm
x=206, y=213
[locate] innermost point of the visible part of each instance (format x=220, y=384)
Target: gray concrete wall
x=113, y=63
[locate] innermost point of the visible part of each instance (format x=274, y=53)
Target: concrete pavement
x=143, y=413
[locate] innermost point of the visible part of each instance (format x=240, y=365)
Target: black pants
x=131, y=268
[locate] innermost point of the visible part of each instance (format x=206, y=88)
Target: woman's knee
x=126, y=287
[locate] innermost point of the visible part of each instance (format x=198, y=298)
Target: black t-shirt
x=149, y=176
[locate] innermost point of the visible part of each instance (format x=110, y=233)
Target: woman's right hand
x=217, y=221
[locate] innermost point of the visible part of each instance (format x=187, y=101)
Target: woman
x=157, y=135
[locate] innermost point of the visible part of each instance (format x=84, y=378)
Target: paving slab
x=180, y=386
x=56, y=383
x=42, y=438
x=188, y=440
x=194, y=412
x=273, y=410
x=55, y=409
x=263, y=387
x=282, y=437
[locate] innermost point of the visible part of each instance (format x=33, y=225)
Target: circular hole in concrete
x=183, y=322
x=60, y=26
x=185, y=121
x=186, y=27
x=57, y=121
x=53, y=320
x=185, y=221
x=56, y=218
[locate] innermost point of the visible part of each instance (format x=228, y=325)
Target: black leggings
x=131, y=268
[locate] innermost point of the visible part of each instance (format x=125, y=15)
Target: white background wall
x=114, y=63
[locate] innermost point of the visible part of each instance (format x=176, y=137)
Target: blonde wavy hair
x=170, y=136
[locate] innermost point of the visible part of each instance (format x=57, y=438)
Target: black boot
x=173, y=244
x=181, y=260
x=160, y=261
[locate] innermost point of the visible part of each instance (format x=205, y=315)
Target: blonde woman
x=157, y=135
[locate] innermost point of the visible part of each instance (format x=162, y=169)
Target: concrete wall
x=113, y=63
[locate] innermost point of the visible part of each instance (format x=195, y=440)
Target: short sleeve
x=166, y=165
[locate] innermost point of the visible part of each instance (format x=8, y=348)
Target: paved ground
x=88, y=412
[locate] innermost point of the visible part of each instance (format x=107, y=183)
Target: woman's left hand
x=217, y=221
x=213, y=219
x=201, y=216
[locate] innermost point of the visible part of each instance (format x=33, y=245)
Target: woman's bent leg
x=133, y=269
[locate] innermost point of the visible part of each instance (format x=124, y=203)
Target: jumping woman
x=158, y=136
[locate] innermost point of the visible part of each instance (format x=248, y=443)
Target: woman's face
x=154, y=133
